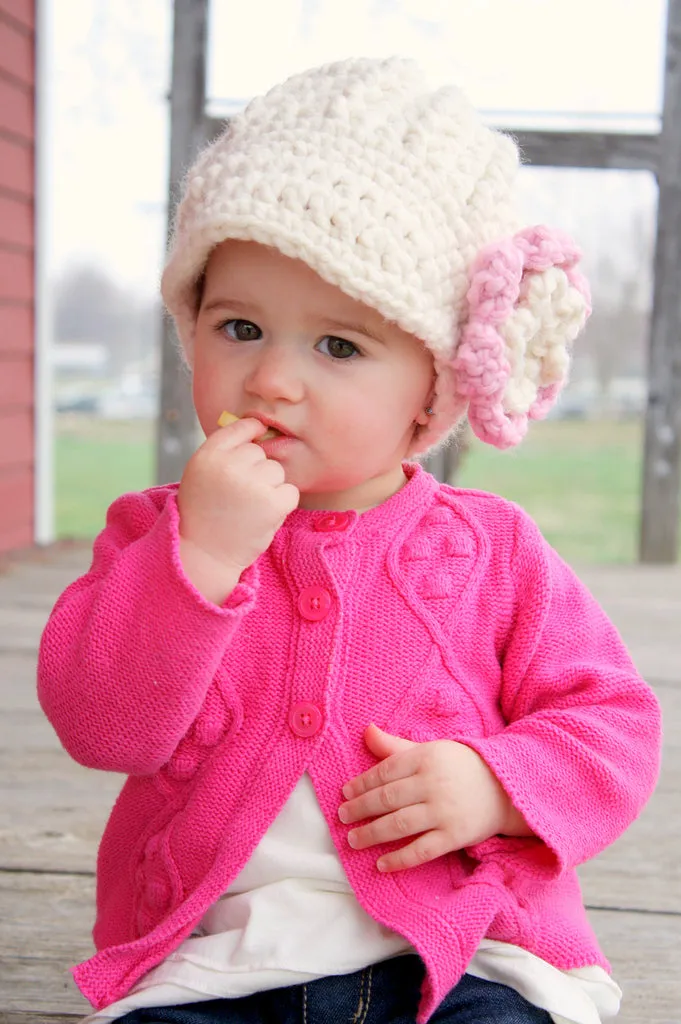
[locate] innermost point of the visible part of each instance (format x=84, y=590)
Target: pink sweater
x=441, y=613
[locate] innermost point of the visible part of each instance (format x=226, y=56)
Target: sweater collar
x=416, y=494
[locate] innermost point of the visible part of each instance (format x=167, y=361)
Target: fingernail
x=381, y=865
x=347, y=790
x=343, y=815
x=352, y=839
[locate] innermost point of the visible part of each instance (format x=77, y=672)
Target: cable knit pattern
x=388, y=191
x=443, y=614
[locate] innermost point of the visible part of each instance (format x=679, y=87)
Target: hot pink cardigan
x=441, y=613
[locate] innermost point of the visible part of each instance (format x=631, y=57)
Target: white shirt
x=291, y=917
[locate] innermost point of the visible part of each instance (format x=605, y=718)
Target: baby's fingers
x=389, y=828
x=236, y=433
x=383, y=800
x=427, y=847
x=397, y=766
x=289, y=497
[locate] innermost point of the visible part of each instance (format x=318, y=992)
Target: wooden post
x=445, y=463
x=662, y=451
x=612, y=150
x=176, y=424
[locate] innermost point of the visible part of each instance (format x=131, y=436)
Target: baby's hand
x=442, y=792
x=232, y=500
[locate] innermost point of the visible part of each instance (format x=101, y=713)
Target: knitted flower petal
x=527, y=303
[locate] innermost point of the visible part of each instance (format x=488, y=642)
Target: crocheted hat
x=403, y=198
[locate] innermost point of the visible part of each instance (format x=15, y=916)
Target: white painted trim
x=44, y=530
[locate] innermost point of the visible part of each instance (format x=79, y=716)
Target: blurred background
x=529, y=64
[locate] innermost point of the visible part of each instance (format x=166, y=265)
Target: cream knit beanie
x=402, y=198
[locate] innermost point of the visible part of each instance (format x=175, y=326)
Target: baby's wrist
x=213, y=577
x=514, y=822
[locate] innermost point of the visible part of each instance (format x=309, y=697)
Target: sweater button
x=305, y=719
x=314, y=603
x=333, y=521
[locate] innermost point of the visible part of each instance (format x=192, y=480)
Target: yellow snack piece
x=225, y=418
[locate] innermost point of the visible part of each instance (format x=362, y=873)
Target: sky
x=521, y=62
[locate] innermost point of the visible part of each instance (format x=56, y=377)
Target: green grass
x=95, y=461
x=580, y=480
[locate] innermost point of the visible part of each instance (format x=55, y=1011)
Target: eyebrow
x=229, y=304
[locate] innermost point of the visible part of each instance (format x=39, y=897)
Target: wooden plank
x=21, y=11
x=662, y=447
x=16, y=165
x=652, y=638
x=43, y=827
x=37, y=585
x=41, y=986
x=17, y=538
x=46, y=919
x=176, y=437
x=16, y=439
x=24, y=590
x=16, y=221
x=55, y=826
x=60, y=556
x=16, y=109
x=17, y=682
x=20, y=628
x=62, y=931
x=45, y=929
x=643, y=950
x=17, y=55
x=16, y=275
x=41, y=1018
x=16, y=381
x=16, y=507
x=16, y=326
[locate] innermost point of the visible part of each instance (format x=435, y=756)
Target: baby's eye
x=241, y=330
x=337, y=348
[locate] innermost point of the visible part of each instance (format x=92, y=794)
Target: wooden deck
x=52, y=812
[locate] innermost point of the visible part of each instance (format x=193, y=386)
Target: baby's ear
x=424, y=416
x=527, y=302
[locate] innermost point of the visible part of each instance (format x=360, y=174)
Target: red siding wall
x=17, y=80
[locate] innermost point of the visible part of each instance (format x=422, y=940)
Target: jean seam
x=304, y=1004
x=365, y=1009
x=356, y=1017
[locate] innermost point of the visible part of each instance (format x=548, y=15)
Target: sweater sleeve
x=581, y=751
x=130, y=648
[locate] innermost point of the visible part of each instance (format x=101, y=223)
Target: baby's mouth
x=228, y=417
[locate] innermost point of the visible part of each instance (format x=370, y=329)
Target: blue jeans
x=386, y=993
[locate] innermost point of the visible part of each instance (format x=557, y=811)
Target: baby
x=370, y=723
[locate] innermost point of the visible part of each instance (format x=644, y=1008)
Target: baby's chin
x=342, y=493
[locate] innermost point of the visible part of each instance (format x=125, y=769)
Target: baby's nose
x=276, y=374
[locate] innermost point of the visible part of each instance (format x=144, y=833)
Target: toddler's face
x=275, y=340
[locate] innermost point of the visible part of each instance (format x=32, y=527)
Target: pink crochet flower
x=501, y=292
